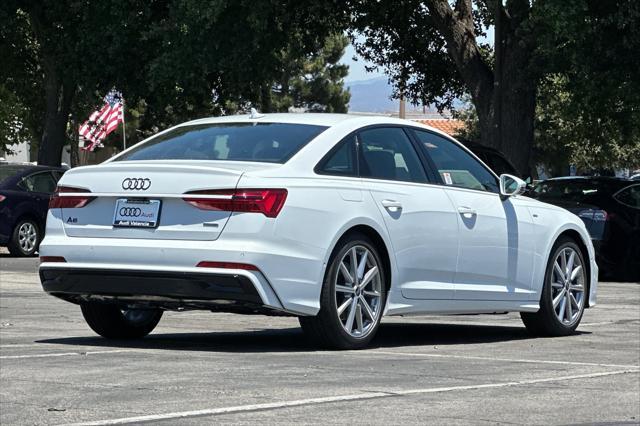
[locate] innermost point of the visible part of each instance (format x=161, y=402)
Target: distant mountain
x=373, y=95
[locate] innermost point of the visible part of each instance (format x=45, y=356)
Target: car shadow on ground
x=293, y=340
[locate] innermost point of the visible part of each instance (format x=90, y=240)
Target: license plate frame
x=137, y=213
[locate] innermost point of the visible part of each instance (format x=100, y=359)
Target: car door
x=39, y=186
x=496, y=252
x=418, y=215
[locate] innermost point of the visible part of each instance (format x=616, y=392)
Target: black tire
x=325, y=329
x=15, y=247
x=111, y=322
x=545, y=322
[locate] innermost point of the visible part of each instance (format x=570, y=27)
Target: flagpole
x=124, y=128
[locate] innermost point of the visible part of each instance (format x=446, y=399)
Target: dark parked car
x=24, y=199
x=610, y=209
x=492, y=158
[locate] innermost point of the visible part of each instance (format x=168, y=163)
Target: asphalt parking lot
x=199, y=367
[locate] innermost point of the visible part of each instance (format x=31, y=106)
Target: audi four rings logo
x=136, y=183
x=130, y=212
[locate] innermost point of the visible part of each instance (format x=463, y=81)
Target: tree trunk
x=504, y=97
x=58, y=97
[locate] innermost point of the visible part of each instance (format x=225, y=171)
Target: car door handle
x=466, y=211
x=392, y=205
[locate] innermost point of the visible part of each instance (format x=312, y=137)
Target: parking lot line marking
x=341, y=398
x=517, y=360
x=66, y=354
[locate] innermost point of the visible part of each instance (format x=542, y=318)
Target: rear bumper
x=229, y=292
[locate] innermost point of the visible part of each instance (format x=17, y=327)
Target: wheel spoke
x=366, y=307
x=561, y=314
x=371, y=273
x=577, y=287
x=344, y=306
x=371, y=293
x=352, y=314
x=563, y=263
x=363, y=264
x=575, y=272
x=345, y=273
x=558, y=298
x=557, y=285
x=568, y=308
x=558, y=269
x=359, y=326
x=354, y=265
x=344, y=289
x=574, y=301
x=572, y=258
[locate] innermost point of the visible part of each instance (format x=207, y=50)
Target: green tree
x=56, y=49
x=179, y=58
x=589, y=102
x=313, y=82
x=434, y=53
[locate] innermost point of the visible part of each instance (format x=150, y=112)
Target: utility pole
x=402, y=113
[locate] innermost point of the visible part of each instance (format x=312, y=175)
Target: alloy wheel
x=27, y=237
x=358, y=288
x=568, y=286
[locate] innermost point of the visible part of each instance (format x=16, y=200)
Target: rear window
x=629, y=196
x=569, y=190
x=263, y=142
x=9, y=171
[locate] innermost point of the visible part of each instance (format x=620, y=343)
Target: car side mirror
x=511, y=185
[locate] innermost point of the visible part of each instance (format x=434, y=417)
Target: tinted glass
x=455, y=165
x=343, y=160
x=630, y=196
x=8, y=171
x=387, y=153
x=580, y=190
x=265, y=142
x=39, y=182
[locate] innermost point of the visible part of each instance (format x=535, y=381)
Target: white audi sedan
x=336, y=219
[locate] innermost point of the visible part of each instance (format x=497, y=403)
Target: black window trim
x=464, y=148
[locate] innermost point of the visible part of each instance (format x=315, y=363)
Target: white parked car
x=336, y=219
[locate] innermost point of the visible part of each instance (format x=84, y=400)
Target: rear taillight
x=266, y=201
x=594, y=214
x=65, y=197
x=2, y=198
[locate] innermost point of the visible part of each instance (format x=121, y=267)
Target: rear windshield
x=8, y=171
x=264, y=142
x=571, y=190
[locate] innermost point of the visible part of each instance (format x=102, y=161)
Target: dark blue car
x=24, y=199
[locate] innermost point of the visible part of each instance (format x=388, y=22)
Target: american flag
x=103, y=121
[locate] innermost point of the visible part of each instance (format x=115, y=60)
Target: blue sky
x=356, y=69
x=358, y=72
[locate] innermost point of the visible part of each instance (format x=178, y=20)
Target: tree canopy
x=174, y=60
x=576, y=59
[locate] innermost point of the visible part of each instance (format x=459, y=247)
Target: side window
x=387, y=153
x=39, y=182
x=455, y=166
x=342, y=161
x=629, y=196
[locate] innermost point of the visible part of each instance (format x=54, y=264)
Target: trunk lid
x=146, y=184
